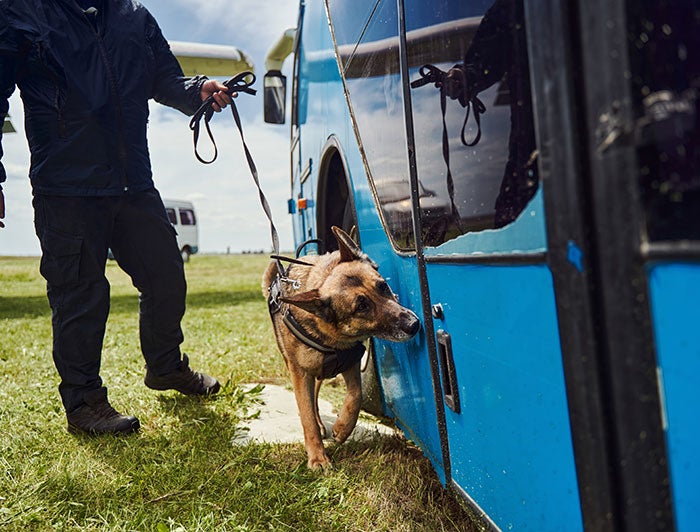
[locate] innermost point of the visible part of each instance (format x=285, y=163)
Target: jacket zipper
x=113, y=84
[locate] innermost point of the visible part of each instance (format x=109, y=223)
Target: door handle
x=450, y=389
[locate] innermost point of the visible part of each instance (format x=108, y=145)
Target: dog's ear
x=349, y=250
x=311, y=301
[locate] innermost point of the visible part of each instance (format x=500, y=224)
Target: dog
x=322, y=308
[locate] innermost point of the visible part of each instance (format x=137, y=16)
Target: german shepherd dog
x=322, y=310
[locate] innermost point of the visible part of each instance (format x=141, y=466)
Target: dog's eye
x=361, y=304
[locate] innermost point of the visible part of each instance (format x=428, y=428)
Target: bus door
x=623, y=204
x=481, y=237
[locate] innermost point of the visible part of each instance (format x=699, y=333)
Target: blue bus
x=527, y=176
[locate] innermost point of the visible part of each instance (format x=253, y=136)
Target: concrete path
x=279, y=420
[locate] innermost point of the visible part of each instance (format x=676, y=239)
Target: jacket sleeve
x=491, y=51
x=8, y=75
x=170, y=86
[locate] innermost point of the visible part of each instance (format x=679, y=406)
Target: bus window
x=487, y=173
x=373, y=80
x=350, y=19
x=665, y=64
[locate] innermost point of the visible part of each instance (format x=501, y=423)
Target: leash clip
x=296, y=283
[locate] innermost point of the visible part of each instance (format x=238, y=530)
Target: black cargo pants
x=75, y=235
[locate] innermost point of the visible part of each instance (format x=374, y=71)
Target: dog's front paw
x=342, y=431
x=319, y=463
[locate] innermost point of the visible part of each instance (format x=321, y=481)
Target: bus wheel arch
x=335, y=204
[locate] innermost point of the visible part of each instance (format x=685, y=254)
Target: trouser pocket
x=61, y=232
x=60, y=261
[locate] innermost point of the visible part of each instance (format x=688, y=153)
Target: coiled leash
x=432, y=74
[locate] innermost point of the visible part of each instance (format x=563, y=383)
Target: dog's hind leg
x=304, y=392
x=321, y=426
x=347, y=419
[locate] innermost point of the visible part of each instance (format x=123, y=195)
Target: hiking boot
x=184, y=380
x=97, y=416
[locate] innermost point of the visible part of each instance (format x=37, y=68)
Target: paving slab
x=279, y=422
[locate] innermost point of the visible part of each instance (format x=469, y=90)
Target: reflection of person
x=499, y=49
x=86, y=70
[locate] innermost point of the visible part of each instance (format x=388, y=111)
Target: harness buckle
x=296, y=284
x=274, y=304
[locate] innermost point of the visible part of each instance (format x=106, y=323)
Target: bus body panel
x=510, y=442
x=675, y=293
x=323, y=112
x=404, y=368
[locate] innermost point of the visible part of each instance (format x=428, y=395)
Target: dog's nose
x=411, y=324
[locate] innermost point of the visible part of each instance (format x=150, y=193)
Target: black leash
x=432, y=74
x=240, y=83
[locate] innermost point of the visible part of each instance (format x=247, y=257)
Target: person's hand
x=455, y=84
x=2, y=208
x=216, y=89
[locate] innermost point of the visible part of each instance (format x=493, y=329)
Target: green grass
x=181, y=471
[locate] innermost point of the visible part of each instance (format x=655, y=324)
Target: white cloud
x=251, y=23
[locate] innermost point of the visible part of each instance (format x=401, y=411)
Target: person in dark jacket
x=498, y=52
x=86, y=70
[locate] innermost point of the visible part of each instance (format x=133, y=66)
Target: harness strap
x=335, y=361
x=341, y=360
x=289, y=259
x=302, y=335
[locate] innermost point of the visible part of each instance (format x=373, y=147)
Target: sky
x=224, y=195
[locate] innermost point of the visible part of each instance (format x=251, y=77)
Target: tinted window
x=486, y=173
x=171, y=215
x=351, y=17
x=373, y=80
x=187, y=217
x=664, y=44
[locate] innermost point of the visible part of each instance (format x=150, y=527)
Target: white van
x=181, y=214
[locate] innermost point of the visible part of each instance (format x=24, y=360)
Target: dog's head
x=354, y=301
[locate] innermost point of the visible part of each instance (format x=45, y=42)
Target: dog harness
x=335, y=361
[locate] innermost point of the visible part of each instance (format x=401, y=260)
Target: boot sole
x=134, y=427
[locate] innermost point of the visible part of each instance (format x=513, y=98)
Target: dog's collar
x=335, y=361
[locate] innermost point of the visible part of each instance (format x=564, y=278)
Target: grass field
x=181, y=471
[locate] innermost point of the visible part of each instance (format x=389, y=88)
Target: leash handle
x=240, y=83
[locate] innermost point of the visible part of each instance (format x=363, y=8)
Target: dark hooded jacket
x=85, y=80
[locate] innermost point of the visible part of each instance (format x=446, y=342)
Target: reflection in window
x=171, y=215
x=482, y=183
x=373, y=79
x=486, y=172
x=664, y=44
x=187, y=217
